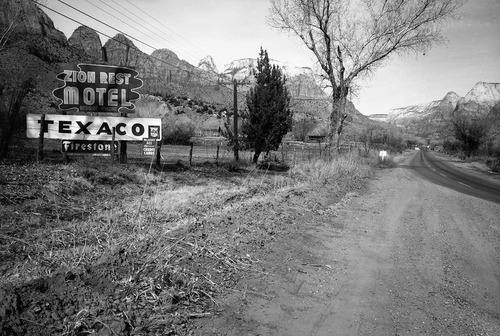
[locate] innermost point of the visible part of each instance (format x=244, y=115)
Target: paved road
x=428, y=166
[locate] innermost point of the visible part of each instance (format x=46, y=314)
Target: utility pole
x=235, y=119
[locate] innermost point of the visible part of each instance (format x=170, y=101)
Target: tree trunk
x=337, y=118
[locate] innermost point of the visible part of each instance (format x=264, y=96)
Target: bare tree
x=15, y=12
x=470, y=132
x=351, y=38
x=7, y=30
x=301, y=128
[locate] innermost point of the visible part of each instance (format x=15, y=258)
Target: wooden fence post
x=191, y=155
x=217, y=157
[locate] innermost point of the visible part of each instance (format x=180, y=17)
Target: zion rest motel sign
x=97, y=89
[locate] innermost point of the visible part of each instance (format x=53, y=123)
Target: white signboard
x=383, y=154
x=73, y=127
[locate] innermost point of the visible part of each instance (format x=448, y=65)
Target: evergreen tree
x=269, y=117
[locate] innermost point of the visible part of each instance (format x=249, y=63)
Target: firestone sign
x=88, y=146
x=97, y=88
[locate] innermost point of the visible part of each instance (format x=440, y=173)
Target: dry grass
x=158, y=232
x=343, y=170
x=171, y=201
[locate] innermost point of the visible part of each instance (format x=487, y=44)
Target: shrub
x=178, y=132
x=387, y=162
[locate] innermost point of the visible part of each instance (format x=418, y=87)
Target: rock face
x=208, y=64
x=443, y=107
x=480, y=99
x=434, y=117
x=31, y=47
x=87, y=40
x=382, y=117
x=300, y=80
x=27, y=18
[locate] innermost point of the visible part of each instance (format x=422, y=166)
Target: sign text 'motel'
x=97, y=88
x=77, y=127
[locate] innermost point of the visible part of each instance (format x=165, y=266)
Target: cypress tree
x=269, y=117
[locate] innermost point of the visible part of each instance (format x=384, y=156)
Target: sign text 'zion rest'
x=97, y=88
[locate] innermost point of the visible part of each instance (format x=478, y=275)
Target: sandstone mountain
x=87, y=40
x=208, y=64
x=433, y=119
x=301, y=80
x=481, y=99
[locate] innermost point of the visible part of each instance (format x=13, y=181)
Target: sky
x=230, y=30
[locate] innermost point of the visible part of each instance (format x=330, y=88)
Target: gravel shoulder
x=399, y=257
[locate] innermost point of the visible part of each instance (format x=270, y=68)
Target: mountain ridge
x=430, y=118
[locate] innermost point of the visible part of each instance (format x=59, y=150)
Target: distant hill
x=433, y=119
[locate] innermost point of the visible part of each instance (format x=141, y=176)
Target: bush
x=179, y=132
x=387, y=162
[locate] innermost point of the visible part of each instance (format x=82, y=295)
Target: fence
x=202, y=150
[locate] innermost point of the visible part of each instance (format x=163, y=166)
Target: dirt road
x=402, y=257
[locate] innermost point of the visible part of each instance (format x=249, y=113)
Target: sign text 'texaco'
x=73, y=127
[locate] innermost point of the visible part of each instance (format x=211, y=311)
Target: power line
x=194, y=56
x=135, y=48
x=107, y=25
x=182, y=37
x=197, y=55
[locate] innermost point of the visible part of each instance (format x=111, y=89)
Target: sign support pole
x=39, y=156
x=235, y=118
x=113, y=145
x=158, y=153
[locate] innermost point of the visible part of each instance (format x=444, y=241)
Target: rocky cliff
x=480, y=99
x=25, y=28
x=88, y=41
x=208, y=64
x=439, y=108
x=434, y=117
x=301, y=80
x=30, y=49
x=26, y=18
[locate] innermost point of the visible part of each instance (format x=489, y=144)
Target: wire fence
x=199, y=152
